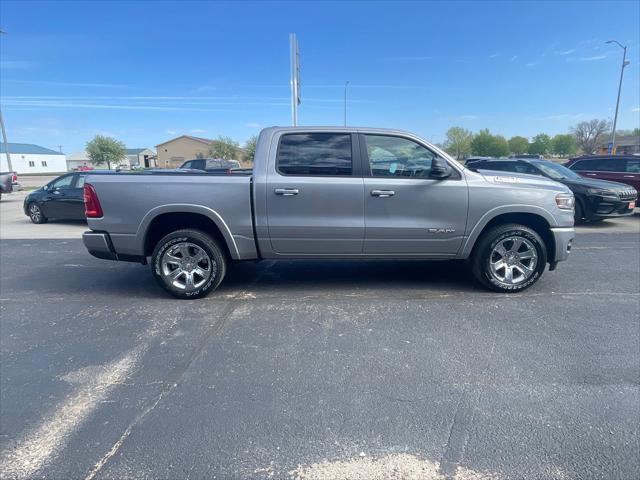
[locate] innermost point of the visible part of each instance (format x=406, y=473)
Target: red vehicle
x=617, y=168
x=84, y=168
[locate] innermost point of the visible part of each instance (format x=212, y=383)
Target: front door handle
x=592, y=174
x=287, y=192
x=382, y=193
x=629, y=176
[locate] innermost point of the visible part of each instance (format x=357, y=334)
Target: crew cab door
x=406, y=211
x=314, y=196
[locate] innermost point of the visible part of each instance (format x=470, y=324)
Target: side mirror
x=439, y=168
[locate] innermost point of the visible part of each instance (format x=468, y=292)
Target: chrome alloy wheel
x=35, y=213
x=187, y=266
x=513, y=260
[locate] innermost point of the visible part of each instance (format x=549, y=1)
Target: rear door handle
x=592, y=174
x=287, y=192
x=629, y=176
x=382, y=193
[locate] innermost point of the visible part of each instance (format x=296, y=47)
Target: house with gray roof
x=30, y=158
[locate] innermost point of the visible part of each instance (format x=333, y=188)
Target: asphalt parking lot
x=317, y=370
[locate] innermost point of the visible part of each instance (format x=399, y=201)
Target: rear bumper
x=100, y=246
x=563, y=238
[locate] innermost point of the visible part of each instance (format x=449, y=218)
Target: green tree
x=107, y=150
x=250, y=148
x=563, y=145
x=541, y=144
x=225, y=148
x=518, y=145
x=487, y=145
x=458, y=142
x=636, y=132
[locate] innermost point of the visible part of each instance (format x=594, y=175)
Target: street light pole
x=346, y=84
x=4, y=132
x=615, y=118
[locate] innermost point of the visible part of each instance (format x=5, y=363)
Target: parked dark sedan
x=595, y=199
x=60, y=199
x=618, y=168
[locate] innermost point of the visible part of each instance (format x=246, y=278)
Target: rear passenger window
x=321, y=154
x=633, y=165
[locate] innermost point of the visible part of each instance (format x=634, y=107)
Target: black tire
x=484, y=250
x=36, y=214
x=194, y=241
x=578, y=215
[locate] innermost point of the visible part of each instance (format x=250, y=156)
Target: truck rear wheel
x=188, y=264
x=509, y=258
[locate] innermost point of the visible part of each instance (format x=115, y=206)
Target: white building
x=136, y=157
x=29, y=158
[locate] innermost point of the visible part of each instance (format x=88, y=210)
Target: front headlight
x=602, y=193
x=565, y=201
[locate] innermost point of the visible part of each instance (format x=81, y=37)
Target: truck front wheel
x=188, y=264
x=509, y=258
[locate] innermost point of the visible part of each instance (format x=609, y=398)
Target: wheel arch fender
x=215, y=217
x=511, y=214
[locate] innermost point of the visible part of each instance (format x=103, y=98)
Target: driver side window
x=397, y=157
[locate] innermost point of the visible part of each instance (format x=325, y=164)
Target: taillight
x=14, y=178
x=92, y=208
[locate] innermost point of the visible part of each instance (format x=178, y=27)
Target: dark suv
x=595, y=199
x=618, y=168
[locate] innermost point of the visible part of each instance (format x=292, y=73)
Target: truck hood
x=524, y=179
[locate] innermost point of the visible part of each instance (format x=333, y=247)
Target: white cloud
x=567, y=116
x=494, y=55
x=532, y=64
x=198, y=130
x=635, y=109
x=170, y=132
x=588, y=59
x=253, y=125
x=514, y=58
x=566, y=52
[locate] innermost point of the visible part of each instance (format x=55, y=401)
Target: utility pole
x=60, y=148
x=294, y=53
x=4, y=132
x=615, y=118
x=6, y=144
x=346, y=84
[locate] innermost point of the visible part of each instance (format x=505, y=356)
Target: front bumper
x=563, y=238
x=606, y=207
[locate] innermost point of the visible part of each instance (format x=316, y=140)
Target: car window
x=187, y=164
x=80, y=181
x=63, y=182
x=315, y=154
x=213, y=164
x=633, y=165
x=499, y=166
x=599, y=165
x=397, y=157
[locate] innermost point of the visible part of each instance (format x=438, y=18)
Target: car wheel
x=188, y=264
x=578, y=215
x=509, y=258
x=35, y=214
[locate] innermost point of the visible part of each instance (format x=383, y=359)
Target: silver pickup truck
x=331, y=193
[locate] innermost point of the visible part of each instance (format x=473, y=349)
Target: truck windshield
x=555, y=171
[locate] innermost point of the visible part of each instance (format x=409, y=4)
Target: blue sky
x=145, y=72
